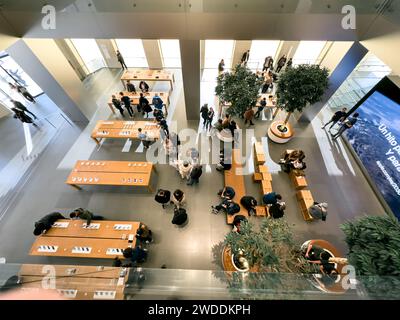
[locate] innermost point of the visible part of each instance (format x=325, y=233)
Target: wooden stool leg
x=75, y=186
x=97, y=141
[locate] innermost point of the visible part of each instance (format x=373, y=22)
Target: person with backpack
x=178, y=198
x=249, y=203
x=180, y=216
x=195, y=174
x=319, y=211
x=46, y=222
x=163, y=197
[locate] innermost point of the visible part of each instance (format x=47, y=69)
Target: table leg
x=150, y=189
x=111, y=107
x=75, y=186
x=97, y=141
x=172, y=86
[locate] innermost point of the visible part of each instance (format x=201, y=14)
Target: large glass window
x=171, y=53
x=11, y=72
x=90, y=53
x=259, y=50
x=215, y=50
x=308, y=52
x=133, y=52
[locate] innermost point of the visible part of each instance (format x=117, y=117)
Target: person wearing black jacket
x=127, y=103
x=249, y=203
x=143, y=102
x=163, y=197
x=46, y=222
x=18, y=105
x=84, y=214
x=143, y=86
x=281, y=63
x=195, y=174
x=245, y=57
x=277, y=210
x=121, y=60
x=180, y=216
x=24, y=118
x=130, y=87
x=204, y=114
x=338, y=116
x=117, y=104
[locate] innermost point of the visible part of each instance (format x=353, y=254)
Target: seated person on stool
x=249, y=203
x=237, y=223
x=136, y=255
x=226, y=205
x=271, y=198
x=319, y=211
x=277, y=210
x=227, y=193
x=144, y=233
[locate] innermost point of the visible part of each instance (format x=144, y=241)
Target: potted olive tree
x=275, y=261
x=238, y=89
x=374, y=252
x=297, y=88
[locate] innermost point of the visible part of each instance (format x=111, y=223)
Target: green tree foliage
x=300, y=86
x=374, y=251
x=271, y=248
x=238, y=88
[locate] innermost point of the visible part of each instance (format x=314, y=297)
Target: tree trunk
x=287, y=117
x=275, y=113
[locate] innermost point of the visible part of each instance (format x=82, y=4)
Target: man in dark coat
x=163, y=197
x=338, y=116
x=195, y=174
x=46, y=222
x=180, y=216
x=121, y=60
x=249, y=203
x=18, y=105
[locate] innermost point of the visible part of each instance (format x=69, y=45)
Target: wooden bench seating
x=305, y=201
x=234, y=178
x=299, y=182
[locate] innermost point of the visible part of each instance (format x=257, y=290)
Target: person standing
x=144, y=138
x=127, y=103
x=210, y=117
x=346, y=125
x=121, y=60
x=184, y=169
x=143, y=86
x=23, y=91
x=195, y=174
x=281, y=63
x=144, y=234
x=163, y=197
x=248, y=116
x=130, y=87
x=204, y=114
x=178, y=198
x=18, y=105
x=338, y=116
x=24, y=118
x=263, y=104
x=245, y=57
x=221, y=66
x=117, y=104
x=289, y=63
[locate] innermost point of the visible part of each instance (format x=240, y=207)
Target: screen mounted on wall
x=376, y=140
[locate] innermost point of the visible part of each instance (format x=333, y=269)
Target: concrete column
x=43, y=60
x=153, y=54
x=190, y=57
x=350, y=60
x=72, y=59
x=107, y=50
x=240, y=47
x=202, y=53
x=4, y=111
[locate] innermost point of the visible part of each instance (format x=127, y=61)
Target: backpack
x=233, y=208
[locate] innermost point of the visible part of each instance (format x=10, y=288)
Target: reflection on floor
x=333, y=177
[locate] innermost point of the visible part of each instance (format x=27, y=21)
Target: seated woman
x=144, y=233
x=249, y=203
x=143, y=86
x=227, y=193
x=178, y=198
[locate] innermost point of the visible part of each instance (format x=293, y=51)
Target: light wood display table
x=105, y=129
x=111, y=173
x=147, y=75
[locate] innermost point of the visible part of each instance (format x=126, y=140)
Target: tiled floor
x=333, y=177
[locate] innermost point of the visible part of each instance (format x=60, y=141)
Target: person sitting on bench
x=249, y=203
x=46, y=222
x=226, y=205
x=271, y=198
x=277, y=210
x=84, y=214
x=319, y=211
x=227, y=193
x=237, y=223
x=136, y=255
x=293, y=160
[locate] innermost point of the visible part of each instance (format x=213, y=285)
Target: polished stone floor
x=332, y=173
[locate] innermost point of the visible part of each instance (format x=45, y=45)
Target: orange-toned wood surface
x=299, y=182
x=235, y=179
x=66, y=244
x=106, y=129
x=76, y=228
x=114, y=173
x=305, y=201
x=148, y=75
